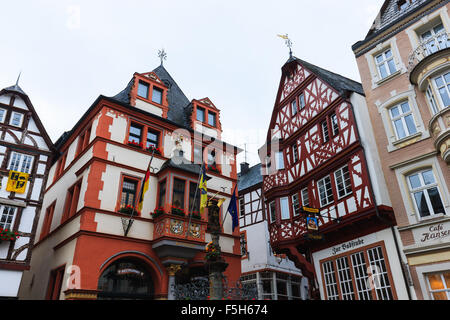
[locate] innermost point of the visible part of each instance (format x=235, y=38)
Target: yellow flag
x=203, y=191
x=219, y=203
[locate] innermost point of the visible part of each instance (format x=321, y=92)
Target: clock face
x=176, y=226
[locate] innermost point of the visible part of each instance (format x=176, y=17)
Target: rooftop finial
x=162, y=55
x=288, y=43
x=17, y=82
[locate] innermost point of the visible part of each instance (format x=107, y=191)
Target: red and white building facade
x=82, y=249
x=320, y=153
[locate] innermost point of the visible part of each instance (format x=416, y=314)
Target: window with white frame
x=284, y=207
x=272, y=211
x=439, y=285
x=295, y=204
x=330, y=281
x=325, y=133
x=20, y=162
x=442, y=84
x=431, y=100
x=343, y=183
x=402, y=120
x=295, y=152
x=294, y=107
x=425, y=193
x=2, y=115
x=334, y=124
x=301, y=101
x=325, y=191
x=279, y=160
x=385, y=63
x=7, y=217
x=305, y=197
x=16, y=119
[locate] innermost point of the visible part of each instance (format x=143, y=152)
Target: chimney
x=244, y=168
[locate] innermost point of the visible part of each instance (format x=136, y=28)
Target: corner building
x=404, y=63
x=320, y=153
x=83, y=249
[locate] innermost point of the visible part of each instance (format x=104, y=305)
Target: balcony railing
x=427, y=47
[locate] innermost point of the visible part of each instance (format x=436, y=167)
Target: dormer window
x=157, y=95
x=211, y=118
x=200, y=114
x=143, y=89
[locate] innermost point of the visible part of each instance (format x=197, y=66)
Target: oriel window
x=162, y=193
x=194, y=204
x=178, y=193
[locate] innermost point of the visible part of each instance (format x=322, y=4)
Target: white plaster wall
x=111, y=224
x=148, y=107
x=5, y=98
x=10, y=281
x=118, y=128
x=32, y=126
x=19, y=103
x=367, y=136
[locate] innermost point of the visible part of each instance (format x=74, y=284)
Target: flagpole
x=140, y=195
x=193, y=202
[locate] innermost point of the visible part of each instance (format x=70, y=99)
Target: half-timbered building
x=25, y=154
x=327, y=205
x=91, y=243
x=275, y=276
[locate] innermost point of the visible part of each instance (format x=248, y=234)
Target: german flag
x=144, y=188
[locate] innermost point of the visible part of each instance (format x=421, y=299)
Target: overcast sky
x=70, y=52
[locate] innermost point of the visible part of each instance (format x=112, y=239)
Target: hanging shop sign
x=17, y=181
x=310, y=210
x=312, y=224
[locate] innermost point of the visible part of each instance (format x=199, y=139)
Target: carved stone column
x=172, y=270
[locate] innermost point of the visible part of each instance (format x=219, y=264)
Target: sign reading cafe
x=435, y=232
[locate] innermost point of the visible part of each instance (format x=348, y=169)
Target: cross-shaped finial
x=162, y=55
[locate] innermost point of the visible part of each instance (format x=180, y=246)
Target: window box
x=129, y=210
x=195, y=215
x=7, y=235
x=136, y=144
x=153, y=149
x=158, y=212
x=178, y=211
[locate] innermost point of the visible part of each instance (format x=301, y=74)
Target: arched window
x=425, y=193
x=126, y=279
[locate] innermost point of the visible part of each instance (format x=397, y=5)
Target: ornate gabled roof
x=178, y=102
x=338, y=82
x=251, y=178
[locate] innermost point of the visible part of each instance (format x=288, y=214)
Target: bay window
x=284, y=208
x=272, y=211
x=442, y=84
x=179, y=187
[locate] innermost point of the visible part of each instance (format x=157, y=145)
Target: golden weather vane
x=288, y=42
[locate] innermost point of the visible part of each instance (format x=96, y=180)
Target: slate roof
x=251, y=178
x=338, y=82
x=179, y=110
x=181, y=163
x=16, y=88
